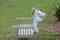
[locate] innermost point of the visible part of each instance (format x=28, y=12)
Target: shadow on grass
x=23, y=39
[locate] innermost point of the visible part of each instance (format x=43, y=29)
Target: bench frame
x=17, y=29
x=33, y=22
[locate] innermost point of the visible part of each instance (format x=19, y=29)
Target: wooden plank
x=23, y=18
x=22, y=25
x=34, y=38
x=25, y=31
x=17, y=34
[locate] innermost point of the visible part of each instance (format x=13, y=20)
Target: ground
x=54, y=26
x=10, y=9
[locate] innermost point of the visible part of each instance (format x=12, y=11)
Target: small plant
x=57, y=11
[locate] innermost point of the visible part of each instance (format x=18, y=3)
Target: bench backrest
x=37, y=16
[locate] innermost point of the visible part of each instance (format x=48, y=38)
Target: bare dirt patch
x=54, y=26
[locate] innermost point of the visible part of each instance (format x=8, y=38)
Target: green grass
x=10, y=9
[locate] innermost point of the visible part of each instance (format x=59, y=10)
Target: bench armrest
x=23, y=18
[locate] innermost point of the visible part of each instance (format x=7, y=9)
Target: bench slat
x=24, y=18
x=22, y=25
x=25, y=31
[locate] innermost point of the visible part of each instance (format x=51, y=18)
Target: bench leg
x=17, y=34
x=34, y=36
x=16, y=38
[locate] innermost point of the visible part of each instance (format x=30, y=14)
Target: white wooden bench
x=27, y=30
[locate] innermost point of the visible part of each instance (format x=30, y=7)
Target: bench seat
x=25, y=30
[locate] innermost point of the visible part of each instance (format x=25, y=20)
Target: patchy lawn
x=10, y=9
